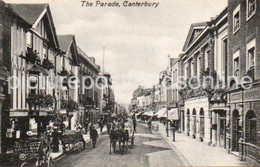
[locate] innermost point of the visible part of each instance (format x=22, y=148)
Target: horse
x=114, y=137
x=123, y=140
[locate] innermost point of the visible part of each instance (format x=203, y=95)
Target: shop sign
x=43, y=114
x=235, y=97
x=252, y=94
x=18, y=114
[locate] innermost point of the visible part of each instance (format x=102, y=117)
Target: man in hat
x=93, y=135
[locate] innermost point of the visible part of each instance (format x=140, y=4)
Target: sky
x=137, y=40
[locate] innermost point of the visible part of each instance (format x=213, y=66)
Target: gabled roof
x=84, y=56
x=174, y=61
x=138, y=92
x=29, y=12
x=66, y=43
x=33, y=13
x=195, y=30
x=8, y=9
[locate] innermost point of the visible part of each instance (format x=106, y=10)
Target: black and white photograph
x=129, y=83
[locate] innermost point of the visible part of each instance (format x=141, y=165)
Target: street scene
x=129, y=83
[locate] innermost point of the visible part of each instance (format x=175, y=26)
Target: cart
x=32, y=152
x=73, y=141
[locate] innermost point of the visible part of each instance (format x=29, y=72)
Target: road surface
x=150, y=150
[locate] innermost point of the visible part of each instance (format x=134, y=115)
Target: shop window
x=251, y=131
x=207, y=59
x=236, y=19
x=251, y=8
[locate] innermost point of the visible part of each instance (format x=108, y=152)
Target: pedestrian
x=86, y=126
x=93, y=136
x=134, y=124
x=101, y=125
x=108, y=127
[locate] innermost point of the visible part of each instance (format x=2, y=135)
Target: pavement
x=198, y=153
x=150, y=150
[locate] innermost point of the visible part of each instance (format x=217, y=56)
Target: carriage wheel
x=26, y=164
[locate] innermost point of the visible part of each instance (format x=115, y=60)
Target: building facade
x=244, y=60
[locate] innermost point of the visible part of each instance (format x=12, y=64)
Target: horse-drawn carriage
x=122, y=135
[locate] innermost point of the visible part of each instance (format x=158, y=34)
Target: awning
x=148, y=113
x=161, y=113
x=173, y=114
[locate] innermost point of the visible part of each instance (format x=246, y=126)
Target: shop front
x=243, y=123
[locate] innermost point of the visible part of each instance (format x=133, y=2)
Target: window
x=207, y=59
x=45, y=51
x=251, y=130
x=186, y=71
x=198, y=65
x=250, y=54
x=236, y=63
x=236, y=19
x=29, y=39
x=224, y=59
x=192, y=69
x=251, y=8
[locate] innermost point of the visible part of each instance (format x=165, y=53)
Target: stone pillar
x=192, y=133
x=189, y=69
x=195, y=66
x=214, y=131
x=186, y=123
x=211, y=55
x=207, y=127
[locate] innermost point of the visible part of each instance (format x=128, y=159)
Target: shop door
x=235, y=134
x=222, y=131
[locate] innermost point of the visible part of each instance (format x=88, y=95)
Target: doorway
x=235, y=130
x=202, y=120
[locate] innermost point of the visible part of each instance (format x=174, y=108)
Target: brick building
x=244, y=60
